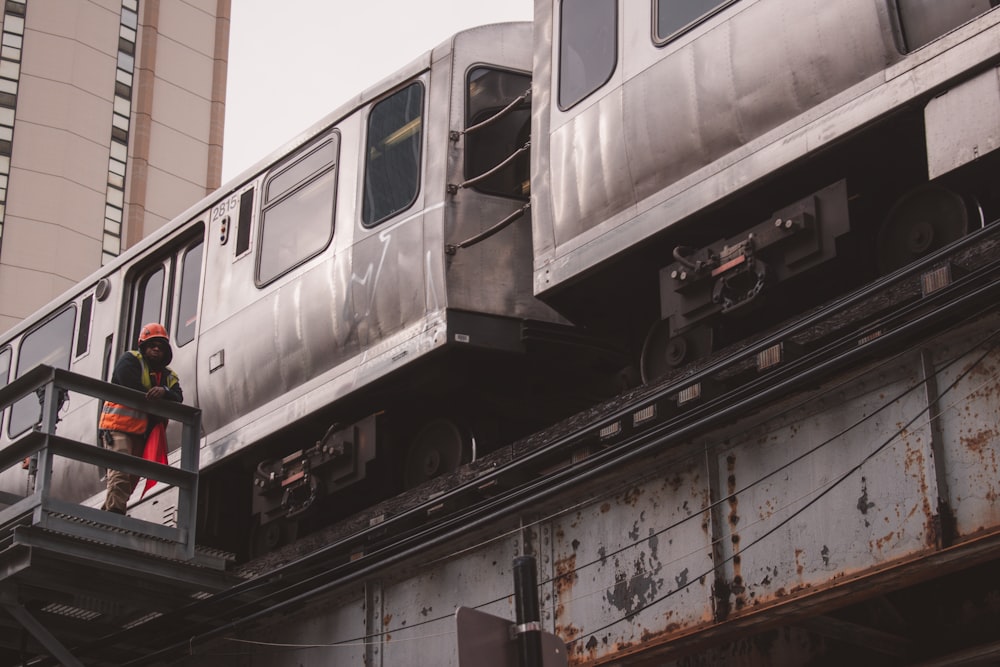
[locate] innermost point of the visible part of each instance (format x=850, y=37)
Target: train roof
x=414, y=67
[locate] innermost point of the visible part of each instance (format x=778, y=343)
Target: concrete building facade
x=111, y=123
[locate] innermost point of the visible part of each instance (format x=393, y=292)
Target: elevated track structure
x=828, y=491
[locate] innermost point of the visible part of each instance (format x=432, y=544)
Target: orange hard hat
x=153, y=330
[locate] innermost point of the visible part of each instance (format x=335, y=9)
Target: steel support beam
x=44, y=637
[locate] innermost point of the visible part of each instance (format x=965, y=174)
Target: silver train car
x=321, y=315
x=691, y=158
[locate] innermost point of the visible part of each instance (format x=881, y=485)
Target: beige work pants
x=120, y=484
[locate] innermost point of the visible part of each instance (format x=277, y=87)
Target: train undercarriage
x=836, y=220
x=441, y=412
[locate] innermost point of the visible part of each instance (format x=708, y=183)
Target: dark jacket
x=134, y=372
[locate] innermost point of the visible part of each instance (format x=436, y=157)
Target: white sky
x=292, y=62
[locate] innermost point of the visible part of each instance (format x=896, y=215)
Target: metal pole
x=529, y=628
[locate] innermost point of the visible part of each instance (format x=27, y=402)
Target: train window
x=923, y=21
x=490, y=91
x=187, y=309
x=297, y=215
x=83, y=328
x=392, y=154
x=49, y=344
x=243, y=230
x=673, y=17
x=588, y=48
x=4, y=366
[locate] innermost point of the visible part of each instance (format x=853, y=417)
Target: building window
x=297, y=213
x=489, y=92
x=392, y=154
x=588, y=48
x=114, y=217
x=674, y=17
x=11, y=42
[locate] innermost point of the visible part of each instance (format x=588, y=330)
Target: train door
x=274, y=299
x=166, y=289
x=389, y=288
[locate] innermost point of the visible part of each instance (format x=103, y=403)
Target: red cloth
x=156, y=450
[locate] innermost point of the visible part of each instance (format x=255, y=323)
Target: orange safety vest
x=117, y=417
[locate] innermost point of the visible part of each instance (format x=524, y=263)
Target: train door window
x=149, y=306
x=489, y=92
x=187, y=308
x=673, y=17
x=923, y=21
x=50, y=344
x=166, y=291
x=588, y=48
x=392, y=154
x=297, y=213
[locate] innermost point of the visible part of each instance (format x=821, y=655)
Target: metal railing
x=39, y=505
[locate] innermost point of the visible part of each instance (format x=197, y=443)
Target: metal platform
x=71, y=574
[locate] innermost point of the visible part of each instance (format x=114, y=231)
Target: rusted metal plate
x=329, y=632
x=422, y=606
x=633, y=564
x=828, y=489
x=970, y=431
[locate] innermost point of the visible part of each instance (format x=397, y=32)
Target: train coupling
x=728, y=275
x=289, y=486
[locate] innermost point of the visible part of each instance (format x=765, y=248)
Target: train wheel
x=662, y=353
x=272, y=535
x=437, y=449
x=922, y=221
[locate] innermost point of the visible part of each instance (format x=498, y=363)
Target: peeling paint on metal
x=863, y=504
x=633, y=592
x=633, y=495
x=566, y=576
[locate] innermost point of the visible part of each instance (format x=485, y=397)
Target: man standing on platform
x=124, y=429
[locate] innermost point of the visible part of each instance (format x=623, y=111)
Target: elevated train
x=402, y=287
